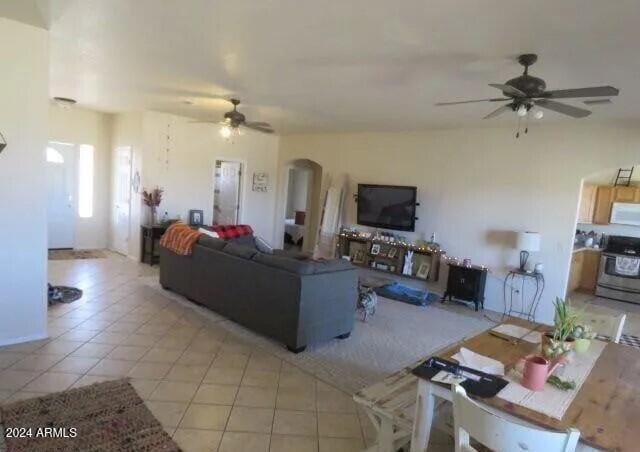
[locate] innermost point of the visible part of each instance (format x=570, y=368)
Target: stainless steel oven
x=614, y=280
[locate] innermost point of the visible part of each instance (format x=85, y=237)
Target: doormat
x=630, y=340
x=107, y=416
x=63, y=255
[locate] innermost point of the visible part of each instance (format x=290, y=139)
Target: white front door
x=226, y=198
x=122, y=199
x=61, y=177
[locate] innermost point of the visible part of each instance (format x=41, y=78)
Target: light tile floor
x=604, y=306
x=209, y=390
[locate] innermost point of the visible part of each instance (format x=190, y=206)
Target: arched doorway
x=594, y=283
x=301, y=210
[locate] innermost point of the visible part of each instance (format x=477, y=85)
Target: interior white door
x=61, y=177
x=226, y=198
x=122, y=200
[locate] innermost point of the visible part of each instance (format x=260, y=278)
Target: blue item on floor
x=406, y=294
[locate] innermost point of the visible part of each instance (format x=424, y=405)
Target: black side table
x=466, y=283
x=150, y=234
x=516, y=281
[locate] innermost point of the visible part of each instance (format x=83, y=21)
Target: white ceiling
x=329, y=65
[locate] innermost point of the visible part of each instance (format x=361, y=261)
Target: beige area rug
x=397, y=336
x=105, y=417
x=64, y=255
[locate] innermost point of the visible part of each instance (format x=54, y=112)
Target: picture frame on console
x=375, y=249
x=196, y=217
x=423, y=270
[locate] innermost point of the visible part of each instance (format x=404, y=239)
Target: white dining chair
x=610, y=326
x=499, y=434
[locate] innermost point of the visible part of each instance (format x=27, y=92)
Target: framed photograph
x=393, y=252
x=196, y=217
x=358, y=258
x=375, y=249
x=260, y=181
x=423, y=270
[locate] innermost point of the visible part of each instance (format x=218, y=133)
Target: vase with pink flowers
x=152, y=199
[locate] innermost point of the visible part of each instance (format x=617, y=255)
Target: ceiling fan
x=525, y=92
x=234, y=119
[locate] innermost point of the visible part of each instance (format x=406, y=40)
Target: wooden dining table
x=606, y=408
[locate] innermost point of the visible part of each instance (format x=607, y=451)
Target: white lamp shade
x=528, y=241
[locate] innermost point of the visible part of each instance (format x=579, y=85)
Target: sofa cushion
x=302, y=267
x=210, y=242
x=239, y=250
x=285, y=263
x=245, y=240
x=262, y=245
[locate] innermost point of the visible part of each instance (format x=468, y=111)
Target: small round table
x=519, y=278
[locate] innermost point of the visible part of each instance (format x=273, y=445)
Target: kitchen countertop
x=578, y=248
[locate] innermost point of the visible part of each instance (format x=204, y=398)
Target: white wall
x=81, y=126
x=185, y=172
x=23, y=230
x=476, y=185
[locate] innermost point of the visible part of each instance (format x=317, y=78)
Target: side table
x=150, y=234
x=516, y=281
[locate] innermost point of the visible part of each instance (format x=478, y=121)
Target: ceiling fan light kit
x=528, y=94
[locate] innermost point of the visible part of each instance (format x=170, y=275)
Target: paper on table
x=479, y=362
x=447, y=378
x=518, y=332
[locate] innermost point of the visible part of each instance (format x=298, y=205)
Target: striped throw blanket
x=180, y=239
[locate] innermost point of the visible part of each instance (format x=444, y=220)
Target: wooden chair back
x=497, y=433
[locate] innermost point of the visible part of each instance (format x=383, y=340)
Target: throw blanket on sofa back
x=180, y=239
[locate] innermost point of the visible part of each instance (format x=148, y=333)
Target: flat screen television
x=387, y=206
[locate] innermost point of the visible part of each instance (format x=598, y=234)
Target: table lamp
x=526, y=242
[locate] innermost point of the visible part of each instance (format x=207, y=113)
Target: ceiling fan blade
x=258, y=128
x=509, y=90
x=565, y=109
x=258, y=124
x=595, y=91
x=499, y=111
x=500, y=99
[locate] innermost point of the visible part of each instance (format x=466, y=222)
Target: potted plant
x=560, y=341
x=153, y=199
x=583, y=334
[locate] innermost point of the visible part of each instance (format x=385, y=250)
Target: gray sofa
x=290, y=298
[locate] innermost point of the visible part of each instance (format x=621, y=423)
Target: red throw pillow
x=232, y=231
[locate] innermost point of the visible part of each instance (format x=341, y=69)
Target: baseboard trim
x=20, y=340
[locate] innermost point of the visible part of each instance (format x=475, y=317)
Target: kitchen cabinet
x=590, y=267
x=587, y=203
x=605, y=197
x=575, y=274
x=583, y=275
x=604, y=200
x=625, y=194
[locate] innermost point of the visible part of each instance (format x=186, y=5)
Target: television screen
x=387, y=206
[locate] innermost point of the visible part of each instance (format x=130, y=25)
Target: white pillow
x=262, y=245
x=209, y=233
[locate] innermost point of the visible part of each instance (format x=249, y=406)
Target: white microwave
x=625, y=213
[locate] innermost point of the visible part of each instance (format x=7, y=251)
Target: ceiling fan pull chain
x=518, y=132
x=526, y=127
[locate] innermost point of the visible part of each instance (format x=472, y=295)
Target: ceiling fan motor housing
x=234, y=117
x=532, y=86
